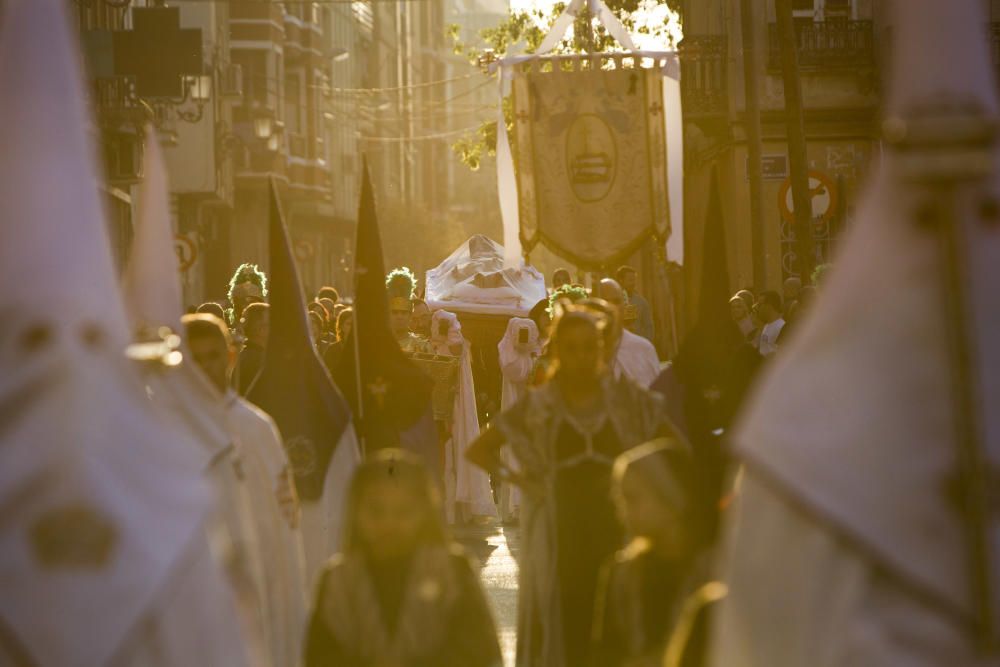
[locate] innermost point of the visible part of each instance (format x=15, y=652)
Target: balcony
x=995, y=44
x=115, y=103
x=827, y=45
x=297, y=145
x=704, y=81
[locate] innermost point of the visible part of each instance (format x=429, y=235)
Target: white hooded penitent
x=100, y=505
x=848, y=546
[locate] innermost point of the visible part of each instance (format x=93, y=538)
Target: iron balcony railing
x=995, y=43
x=704, y=84
x=831, y=44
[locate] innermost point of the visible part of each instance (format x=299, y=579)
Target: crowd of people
x=596, y=457
x=275, y=480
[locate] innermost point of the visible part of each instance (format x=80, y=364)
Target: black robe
x=427, y=611
x=639, y=597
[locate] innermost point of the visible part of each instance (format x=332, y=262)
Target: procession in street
x=646, y=369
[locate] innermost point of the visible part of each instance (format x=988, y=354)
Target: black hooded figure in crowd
x=713, y=370
x=390, y=397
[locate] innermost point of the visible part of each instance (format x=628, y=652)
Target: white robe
x=83, y=448
x=266, y=463
x=185, y=398
x=848, y=547
x=103, y=551
x=844, y=610
x=516, y=365
x=321, y=524
x=637, y=359
x=465, y=483
x=195, y=623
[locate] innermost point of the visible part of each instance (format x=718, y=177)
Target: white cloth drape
x=516, y=364
x=322, y=521
x=464, y=482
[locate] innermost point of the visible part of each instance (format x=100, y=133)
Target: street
x=495, y=548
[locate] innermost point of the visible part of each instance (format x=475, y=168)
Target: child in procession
x=645, y=585
x=400, y=594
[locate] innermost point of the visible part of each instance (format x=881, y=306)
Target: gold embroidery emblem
x=378, y=389
x=429, y=590
x=631, y=313
x=301, y=455
x=73, y=537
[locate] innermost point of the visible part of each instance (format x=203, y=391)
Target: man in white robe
x=277, y=511
x=103, y=547
x=152, y=293
x=249, y=469
x=636, y=357
x=847, y=546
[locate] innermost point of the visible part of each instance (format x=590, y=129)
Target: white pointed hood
x=855, y=418
x=99, y=503
x=54, y=241
x=151, y=282
x=152, y=291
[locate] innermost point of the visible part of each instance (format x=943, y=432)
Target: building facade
x=294, y=57
x=259, y=106
x=841, y=53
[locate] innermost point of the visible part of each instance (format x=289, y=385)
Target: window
x=256, y=84
x=294, y=108
x=804, y=10
x=821, y=10
x=837, y=9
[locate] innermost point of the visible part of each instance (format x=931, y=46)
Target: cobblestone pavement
x=496, y=549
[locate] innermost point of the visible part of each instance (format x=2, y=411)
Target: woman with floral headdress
x=399, y=594
x=565, y=436
x=401, y=287
x=248, y=285
x=542, y=313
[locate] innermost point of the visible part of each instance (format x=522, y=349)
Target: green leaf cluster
x=527, y=29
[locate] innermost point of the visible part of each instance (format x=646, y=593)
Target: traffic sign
x=187, y=251
x=822, y=193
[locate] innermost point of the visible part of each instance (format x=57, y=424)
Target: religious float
x=474, y=283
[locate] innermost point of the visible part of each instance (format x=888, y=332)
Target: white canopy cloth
x=473, y=279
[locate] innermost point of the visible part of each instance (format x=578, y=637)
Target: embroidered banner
x=590, y=149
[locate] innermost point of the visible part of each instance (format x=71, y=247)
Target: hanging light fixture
x=263, y=126
x=201, y=88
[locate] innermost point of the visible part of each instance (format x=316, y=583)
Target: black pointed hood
x=394, y=393
x=293, y=385
x=713, y=297
x=714, y=363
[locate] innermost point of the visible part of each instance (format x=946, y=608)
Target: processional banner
x=590, y=155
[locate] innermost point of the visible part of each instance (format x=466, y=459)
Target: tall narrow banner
x=590, y=149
